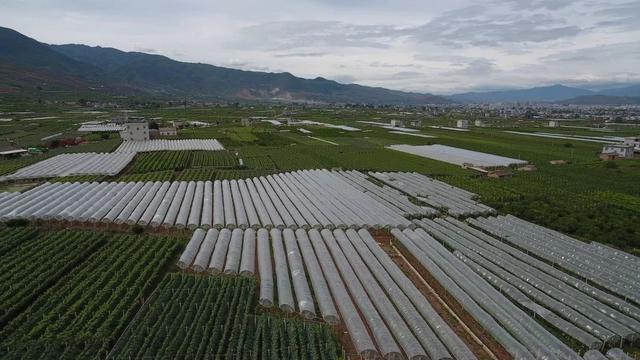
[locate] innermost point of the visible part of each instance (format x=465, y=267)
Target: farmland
x=368, y=250
x=220, y=322
x=81, y=314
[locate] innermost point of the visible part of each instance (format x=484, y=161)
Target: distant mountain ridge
x=27, y=65
x=554, y=93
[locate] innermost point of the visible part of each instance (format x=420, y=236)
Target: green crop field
x=84, y=294
x=219, y=322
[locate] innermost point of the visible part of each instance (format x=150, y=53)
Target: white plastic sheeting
x=303, y=199
x=572, y=255
x=347, y=274
x=101, y=128
x=522, y=329
x=169, y=145
x=109, y=164
x=456, y=201
x=457, y=156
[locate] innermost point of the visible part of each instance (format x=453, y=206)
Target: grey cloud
x=624, y=16
x=301, y=54
x=378, y=64
x=478, y=67
x=539, y=4
x=288, y=35
x=479, y=31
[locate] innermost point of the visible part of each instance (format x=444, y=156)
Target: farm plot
x=361, y=279
x=309, y=198
x=457, y=156
x=455, y=201
x=73, y=164
x=29, y=268
x=587, y=316
x=159, y=161
x=196, y=317
x=258, y=162
x=166, y=175
x=518, y=333
x=205, y=174
x=216, y=159
x=593, y=263
x=13, y=237
x=84, y=312
x=170, y=145
x=386, y=194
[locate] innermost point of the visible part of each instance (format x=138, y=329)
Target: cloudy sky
x=417, y=45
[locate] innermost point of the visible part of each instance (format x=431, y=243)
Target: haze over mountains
x=28, y=66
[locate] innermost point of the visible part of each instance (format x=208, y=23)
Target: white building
x=554, y=123
x=462, y=124
x=619, y=150
x=135, y=131
x=397, y=123
x=479, y=123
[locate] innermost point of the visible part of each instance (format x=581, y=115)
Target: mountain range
x=27, y=65
x=31, y=68
x=555, y=93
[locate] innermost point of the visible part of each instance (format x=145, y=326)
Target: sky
x=432, y=46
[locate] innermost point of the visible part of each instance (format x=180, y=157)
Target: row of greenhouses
x=571, y=305
x=457, y=202
x=513, y=328
x=170, y=145
x=306, y=199
x=386, y=194
x=338, y=276
x=109, y=164
x=458, y=156
x=593, y=263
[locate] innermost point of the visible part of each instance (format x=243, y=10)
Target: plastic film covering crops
x=303, y=199
x=395, y=199
x=345, y=273
x=457, y=156
x=456, y=201
x=574, y=256
x=169, y=145
x=386, y=344
x=394, y=321
x=318, y=282
x=192, y=248
x=529, y=333
x=446, y=275
x=593, y=355
x=109, y=164
x=265, y=268
x=357, y=329
x=431, y=330
x=298, y=275
x=618, y=354
x=283, y=282
x=549, y=293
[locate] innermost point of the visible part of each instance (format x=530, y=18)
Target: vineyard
x=36, y=264
x=215, y=174
x=259, y=162
x=162, y=160
x=194, y=317
x=165, y=175
x=83, y=311
x=218, y=159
